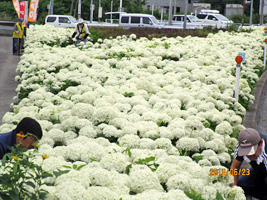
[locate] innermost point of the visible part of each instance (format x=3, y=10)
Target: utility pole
x=99, y=11
x=185, y=13
x=120, y=9
x=79, y=9
x=51, y=7
x=170, y=13
x=71, y=8
x=175, y=6
x=251, y=12
x=261, y=14
x=91, y=11
x=111, y=9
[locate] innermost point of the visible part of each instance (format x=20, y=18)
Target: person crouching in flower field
x=252, y=148
x=82, y=31
x=26, y=134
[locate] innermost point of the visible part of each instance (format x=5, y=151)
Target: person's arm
x=16, y=29
x=235, y=167
x=75, y=32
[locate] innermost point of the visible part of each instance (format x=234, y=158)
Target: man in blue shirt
x=252, y=148
x=26, y=134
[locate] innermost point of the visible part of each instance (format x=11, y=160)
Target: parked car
x=128, y=20
x=192, y=22
x=62, y=21
x=214, y=19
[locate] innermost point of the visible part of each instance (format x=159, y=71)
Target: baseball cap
x=20, y=19
x=248, y=142
x=29, y=125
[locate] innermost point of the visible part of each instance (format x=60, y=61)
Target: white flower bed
x=127, y=90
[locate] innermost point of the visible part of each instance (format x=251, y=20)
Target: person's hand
x=82, y=39
x=70, y=38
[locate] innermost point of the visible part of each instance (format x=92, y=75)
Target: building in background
x=233, y=9
x=193, y=7
x=163, y=5
x=178, y=6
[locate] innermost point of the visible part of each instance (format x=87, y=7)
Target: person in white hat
x=82, y=31
x=252, y=148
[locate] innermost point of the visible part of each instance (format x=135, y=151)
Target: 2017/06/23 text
x=215, y=172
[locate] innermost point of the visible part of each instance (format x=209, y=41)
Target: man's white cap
x=80, y=21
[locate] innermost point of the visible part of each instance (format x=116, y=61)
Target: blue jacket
x=7, y=140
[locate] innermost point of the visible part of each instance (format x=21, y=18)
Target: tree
x=69, y=7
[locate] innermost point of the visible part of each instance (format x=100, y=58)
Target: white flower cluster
x=128, y=91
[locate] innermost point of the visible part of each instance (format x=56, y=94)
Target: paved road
x=262, y=112
x=8, y=65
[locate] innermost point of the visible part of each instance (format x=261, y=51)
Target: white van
x=62, y=21
x=128, y=20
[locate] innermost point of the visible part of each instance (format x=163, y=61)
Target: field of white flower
x=140, y=125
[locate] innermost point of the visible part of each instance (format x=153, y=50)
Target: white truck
x=62, y=21
x=213, y=18
x=192, y=22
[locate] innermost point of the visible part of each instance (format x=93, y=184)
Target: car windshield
x=194, y=18
x=155, y=20
x=221, y=18
x=73, y=19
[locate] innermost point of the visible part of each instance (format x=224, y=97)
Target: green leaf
x=219, y=196
x=149, y=159
x=15, y=168
x=66, y=166
x=74, y=166
x=197, y=158
x=46, y=174
x=92, y=159
x=128, y=168
x=80, y=167
x=60, y=172
x=30, y=183
x=188, y=194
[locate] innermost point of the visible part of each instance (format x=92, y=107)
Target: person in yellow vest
x=82, y=31
x=26, y=26
x=17, y=36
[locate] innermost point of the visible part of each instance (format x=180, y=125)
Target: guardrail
x=6, y=28
x=7, y=23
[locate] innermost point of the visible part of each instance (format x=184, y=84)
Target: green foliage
x=130, y=94
x=161, y=122
x=197, y=158
x=149, y=161
x=7, y=11
x=60, y=172
x=193, y=195
x=219, y=196
x=21, y=178
x=232, y=27
x=66, y=84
